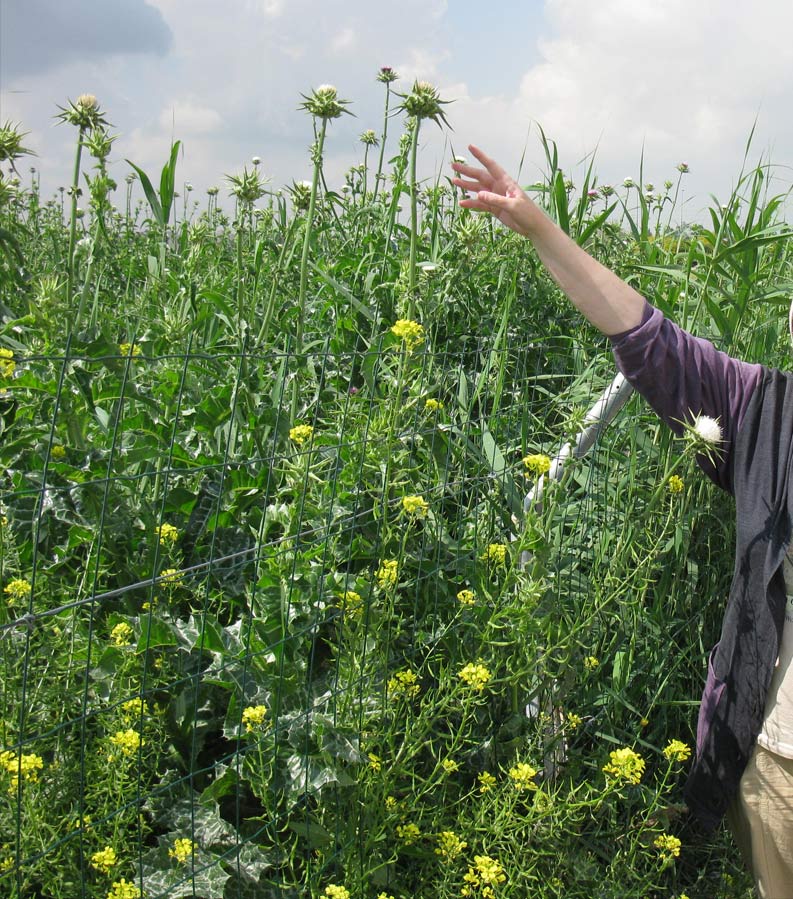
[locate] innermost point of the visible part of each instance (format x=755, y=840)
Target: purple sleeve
x=682, y=376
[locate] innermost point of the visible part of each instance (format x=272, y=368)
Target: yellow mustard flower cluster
x=17, y=589
x=7, y=364
x=522, y=776
x=352, y=602
x=387, y=574
x=668, y=846
x=391, y=803
x=375, y=762
x=167, y=534
x=475, y=676
x=7, y=863
x=408, y=833
x=625, y=764
x=573, y=720
x=485, y=874
x=450, y=845
x=28, y=765
x=591, y=663
x=409, y=331
x=677, y=751
x=334, y=891
x=182, y=850
x=450, y=766
x=58, y=452
x=128, y=741
x=133, y=709
x=129, y=349
x=495, y=554
x=122, y=634
x=433, y=405
x=486, y=781
x=537, y=463
x=123, y=889
x=104, y=860
x=253, y=717
x=675, y=484
x=466, y=597
x=171, y=576
x=415, y=505
x=384, y=896
x=403, y=684
x=299, y=434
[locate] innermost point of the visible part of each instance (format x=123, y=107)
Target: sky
x=636, y=82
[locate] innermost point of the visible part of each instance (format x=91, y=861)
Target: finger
x=487, y=202
x=490, y=164
x=468, y=185
x=472, y=172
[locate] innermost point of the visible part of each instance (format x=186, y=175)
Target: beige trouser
x=761, y=820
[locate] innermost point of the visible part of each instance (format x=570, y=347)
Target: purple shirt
x=682, y=376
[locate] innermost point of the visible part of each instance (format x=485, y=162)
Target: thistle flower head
x=369, y=138
x=387, y=75
x=247, y=187
x=84, y=113
x=683, y=168
x=11, y=142
x=300, y=192
x=708, y=430
x=424, y=102
x=324, y=103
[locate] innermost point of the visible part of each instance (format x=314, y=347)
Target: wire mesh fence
x=252, y=651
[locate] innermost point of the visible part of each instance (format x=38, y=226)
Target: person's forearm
x=610, y=304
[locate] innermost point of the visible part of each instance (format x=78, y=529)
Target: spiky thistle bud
x=11, y=143
x=300, y=192
x=84, y=113
x=369, y=138
x=387, y=75
x=424, y=102
x=324, y=103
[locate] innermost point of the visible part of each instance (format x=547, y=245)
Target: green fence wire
x=251, y=655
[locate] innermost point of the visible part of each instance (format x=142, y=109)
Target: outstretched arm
x=610, y=304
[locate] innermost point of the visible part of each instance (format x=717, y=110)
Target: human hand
x=497, y=193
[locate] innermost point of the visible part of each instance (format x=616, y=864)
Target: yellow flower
x=668, y=846
x=352, y=601
x=167, y=534
x=301, y=433
x=486, y=781
x=495, y=554
x=466, y=597
x=409, y=331
x=403, y=683
x=475, y=675
x=384, y=896
x=122, y=634
x=58, y=452
x=104, y=860
x=133, y=709
x=183, y=849
x=18, y=589
x=450, y=766
x=123, y=889
x=485, y=873
x=625, y=764
x=408, y=833
x=375, y=762
x=537, y=463
x=253, y=716
x=590, y=663
x=390, y=803
x=522, y=776
x=27, y=764
x=336, y=892
x=7, y=364
x=129, y=349
x=573, y=721
x=432, y=405
x=387, y=574
x=415, y=505
x=677, y=751
x=128, y=741
x=449, y=845
x=171, y=576
x=6, y=864
x=675, y=484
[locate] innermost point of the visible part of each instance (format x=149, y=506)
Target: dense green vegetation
x=275, y=621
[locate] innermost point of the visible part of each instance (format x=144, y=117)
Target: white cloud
x=189, y=119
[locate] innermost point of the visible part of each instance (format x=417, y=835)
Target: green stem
x=304, y=262
x=240, y=292
x=414, y=218
x=382, y=141
x=73, y=217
